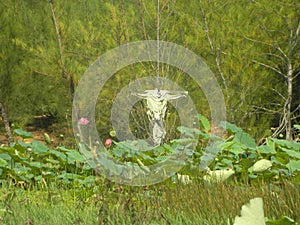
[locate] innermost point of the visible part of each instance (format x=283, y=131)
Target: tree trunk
x=61, y=52
x=6, y=124
x=59, y=39
x=288, y=105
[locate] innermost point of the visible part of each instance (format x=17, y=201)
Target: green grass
x=40, y=185
x=167, y=203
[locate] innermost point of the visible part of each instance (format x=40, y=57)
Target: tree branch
x=270, y=67
x=277, y=92
x=213, y=49
x=59, y=39
x=266, y=109
x=295, y=110
x=296, y=36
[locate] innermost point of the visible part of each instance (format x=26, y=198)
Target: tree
x=6, y=124
x=282, y=56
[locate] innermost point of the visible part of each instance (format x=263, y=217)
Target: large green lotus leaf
x=52, y=161
x=3, y=163
x=22, y=133
x=245, y=163
x=191, y=132
x=118, y=151
x=236, y=150
x=74, y=157
x=245, y=138
x=89, y=181
x=293, y=165
x=21, y=169
x=232, y=128
x=291, y=153
x=286, y=143
x=265, y=149
x=147, y=158
x=165, y=148
x=227, y=145
x=70, y=176
x=39, y=148
x=15, y=155
x=5, y=156
x=271, y=144
x=21, y=146
x=60, y=156
x=36, y=165
x=64, y=149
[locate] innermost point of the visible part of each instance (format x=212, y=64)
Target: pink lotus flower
x=108, y=142
x=83, y=121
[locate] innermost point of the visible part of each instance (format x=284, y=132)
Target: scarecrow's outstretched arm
x=175, y=95
x=141, y=95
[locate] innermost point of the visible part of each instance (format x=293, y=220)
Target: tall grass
x=219, y=203
x=197, y=203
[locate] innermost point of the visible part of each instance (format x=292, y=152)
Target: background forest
x=251, y=46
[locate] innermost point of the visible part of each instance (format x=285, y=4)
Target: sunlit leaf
x=47, y=138
x=218, y=175
x=251, y=213
x=262, y=165
x=283, y=221
x=3, y=162
x=297, y=126
x=184, y=179
x=204, y=122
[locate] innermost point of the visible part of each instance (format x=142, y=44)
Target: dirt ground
x=57, y=138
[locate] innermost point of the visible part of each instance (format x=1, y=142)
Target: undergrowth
x=46, y=185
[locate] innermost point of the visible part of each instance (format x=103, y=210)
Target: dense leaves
x=275, y=160
x=37, y=76
x=34, y=162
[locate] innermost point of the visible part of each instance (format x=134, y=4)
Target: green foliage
x=240, y=152
x=32, y=80
x=139, y=152
x=35, y=165
x=35, y=162
x=32, y=83
x=275, y=160
x=22, y=133
x=108, y=203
